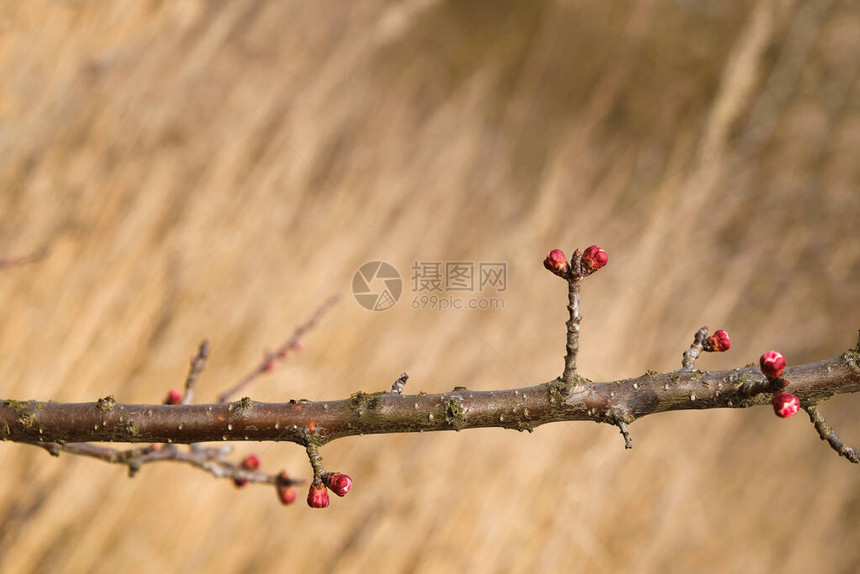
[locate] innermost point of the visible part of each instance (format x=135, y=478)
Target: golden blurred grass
x=162, y=150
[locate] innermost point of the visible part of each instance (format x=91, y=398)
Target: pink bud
x=556, y=262
x=174, y=397
x=785, y=404
x=594, y=258
x=286, y=493
x=772, y=364
x=251, y=462
x=317, y=495
x=339, y=483
x=719, y=341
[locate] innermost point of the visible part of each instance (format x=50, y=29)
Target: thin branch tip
x=826, y=433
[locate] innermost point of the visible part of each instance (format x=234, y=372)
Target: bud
x=339, y=483
x=250, y=463
x=772, y=364
x=269, y=366
x=317, y=495
x=594, y=258
x=174, y=397
x=556, y=262
x=785, y=404
x=718, y=342
x=286, y=493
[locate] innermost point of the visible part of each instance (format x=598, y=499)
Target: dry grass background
x=711, y=147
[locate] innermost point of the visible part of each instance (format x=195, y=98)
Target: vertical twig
x=574, y=285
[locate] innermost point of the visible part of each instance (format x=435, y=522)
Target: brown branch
x=293, y=343
x=304, y=422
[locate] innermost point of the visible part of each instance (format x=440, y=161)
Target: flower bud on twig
x=338, y=482
x=556, y=262
x=772, y=364
x=250, y=463
x=593, y=258
x=718, y=342
x=286, y=493
x=785, y=404
x=317, y=495
x=174, y=397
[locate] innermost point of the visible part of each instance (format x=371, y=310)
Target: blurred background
x=217, y=169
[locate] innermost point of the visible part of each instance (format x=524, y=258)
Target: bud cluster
x=772, y=366
x=581, y=264
x=337, y=482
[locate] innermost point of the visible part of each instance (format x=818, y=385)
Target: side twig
x=292, y=344
x=826, y=432
x=198, y=363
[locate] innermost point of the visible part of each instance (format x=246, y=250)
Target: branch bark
x=306, y=422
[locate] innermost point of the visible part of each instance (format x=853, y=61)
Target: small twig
x=826, y=432
x=209, y=459
x=628, y=442
x=315, y=460
x=292, y=343
x=574, y=285
x=397, y=387
x=690, y=355
x=198, y=363
x=25, y=259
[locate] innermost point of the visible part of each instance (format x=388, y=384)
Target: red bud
x=251, y=462
x=556, y=262
x=594, y=258
x=286, y=493
x=718, y=342
x=317, y=495
x=174, y=397
x=339, y=483
x=772, y=364
x=785, y=404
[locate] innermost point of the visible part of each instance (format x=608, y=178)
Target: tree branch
x=61, y=427
x=306, y=422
